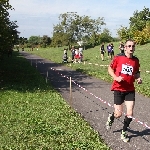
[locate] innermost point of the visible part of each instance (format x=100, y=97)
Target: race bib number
x=127, y=69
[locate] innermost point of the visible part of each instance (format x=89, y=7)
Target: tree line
x=72, y=28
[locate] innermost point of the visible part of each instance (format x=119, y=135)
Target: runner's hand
x=139, y=81
x=119, y=79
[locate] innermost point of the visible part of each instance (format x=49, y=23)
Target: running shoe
x=109, y=122
x=124, y=136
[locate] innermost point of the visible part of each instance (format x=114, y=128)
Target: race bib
x=127, y=69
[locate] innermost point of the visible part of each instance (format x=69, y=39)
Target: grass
x=93, y=56
x=34, y=116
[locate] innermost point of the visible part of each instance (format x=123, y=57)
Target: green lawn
x=33, y=116
x=93, y=56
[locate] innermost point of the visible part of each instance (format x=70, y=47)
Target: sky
x=38, y=17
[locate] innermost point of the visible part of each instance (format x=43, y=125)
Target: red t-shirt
x=126, y=68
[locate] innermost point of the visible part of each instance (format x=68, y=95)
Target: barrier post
x=47, y=73
x=70, y=93
x=36, y=63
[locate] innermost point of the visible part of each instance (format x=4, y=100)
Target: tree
x=45, y=40
x=8, y=32
x=141, y=37
x=139, y=19
x=93, y=40
x=34, y=40
x=73, y=27
x=59, y=37
x=105, y=36
x=123, y=33
x=139, y=27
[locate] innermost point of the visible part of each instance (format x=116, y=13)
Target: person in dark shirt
x=112, y=51
x=102, y=51
x=73, y=53
x=121, y=47
x=109, y=50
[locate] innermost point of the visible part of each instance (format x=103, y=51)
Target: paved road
x=92, y=109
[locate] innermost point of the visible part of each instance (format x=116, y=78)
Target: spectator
x=65, y=57
x=77, y=56
x=80, y=54
x=73, y=53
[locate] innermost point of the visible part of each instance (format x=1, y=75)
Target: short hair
x=129, y=40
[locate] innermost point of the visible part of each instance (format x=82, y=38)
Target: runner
x=121, y=47
x=109, y=50
x=124, y=69
x=112, y=51
x=102, y=51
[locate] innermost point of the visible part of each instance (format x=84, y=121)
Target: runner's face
x=130, y=47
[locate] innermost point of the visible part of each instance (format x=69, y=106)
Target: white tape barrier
x=105, y=102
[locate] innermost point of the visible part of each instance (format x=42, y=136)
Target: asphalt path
x=93, y=99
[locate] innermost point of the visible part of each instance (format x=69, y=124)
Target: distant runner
x=102, y=51
x=121, y=47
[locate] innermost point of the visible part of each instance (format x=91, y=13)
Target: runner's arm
x=137, y=75
x=138, y=78
x=112, y=73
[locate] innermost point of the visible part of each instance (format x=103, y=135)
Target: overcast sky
x=37, y=17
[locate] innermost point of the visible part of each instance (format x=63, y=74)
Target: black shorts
x=102, y=52
x=112, y=53
x=122, y=51
x=108, y=53
x=73, y=56
x=120, y=97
